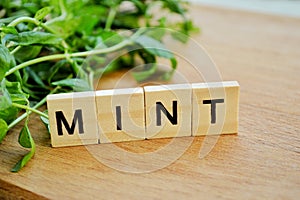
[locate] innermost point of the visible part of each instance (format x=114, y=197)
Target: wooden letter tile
x=168, y=110
x=73, y=119
x=215, y=108
x=121, y=114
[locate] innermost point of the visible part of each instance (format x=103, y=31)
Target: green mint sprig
x=44, y=45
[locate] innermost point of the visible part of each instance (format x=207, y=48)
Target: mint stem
x=30, y=20
x=15, y=50
x=62, y=56
x=111, y=16
x=36, y=106
x=30, y=109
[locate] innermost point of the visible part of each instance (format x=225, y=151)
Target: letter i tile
x=168, y=110
x=121, y=114
x=73, y=119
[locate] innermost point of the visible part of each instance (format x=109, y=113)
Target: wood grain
x=261, y=162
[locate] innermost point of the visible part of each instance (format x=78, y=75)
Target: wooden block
x=168, y=110
x=73, y=119
x=121, y=114
x=215, y=108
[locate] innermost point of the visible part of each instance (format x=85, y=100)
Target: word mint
x=162, y=111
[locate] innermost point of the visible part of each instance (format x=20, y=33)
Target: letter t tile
x=215, y=108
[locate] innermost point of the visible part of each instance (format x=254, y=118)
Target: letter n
x=160, y=108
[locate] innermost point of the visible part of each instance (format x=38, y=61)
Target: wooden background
x=261, y=162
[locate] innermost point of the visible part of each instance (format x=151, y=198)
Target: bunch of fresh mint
x=44, y=44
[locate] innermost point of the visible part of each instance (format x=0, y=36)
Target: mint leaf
x=10, y=92
x=64, y=27
x=78, y=85
x=3, y=129
x=7, y=112
x=8, y=29
x=40, y=14
x=27, y=53
x=24, y=137
x=16, y=93
x=46, y=121
x=153, y=46
x=26, y=141
x=7, y=61
x=32, y=37
x=145, y=74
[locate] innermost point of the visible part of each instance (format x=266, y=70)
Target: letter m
x=77, y=118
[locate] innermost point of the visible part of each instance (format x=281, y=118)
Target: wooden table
x=261, y=162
